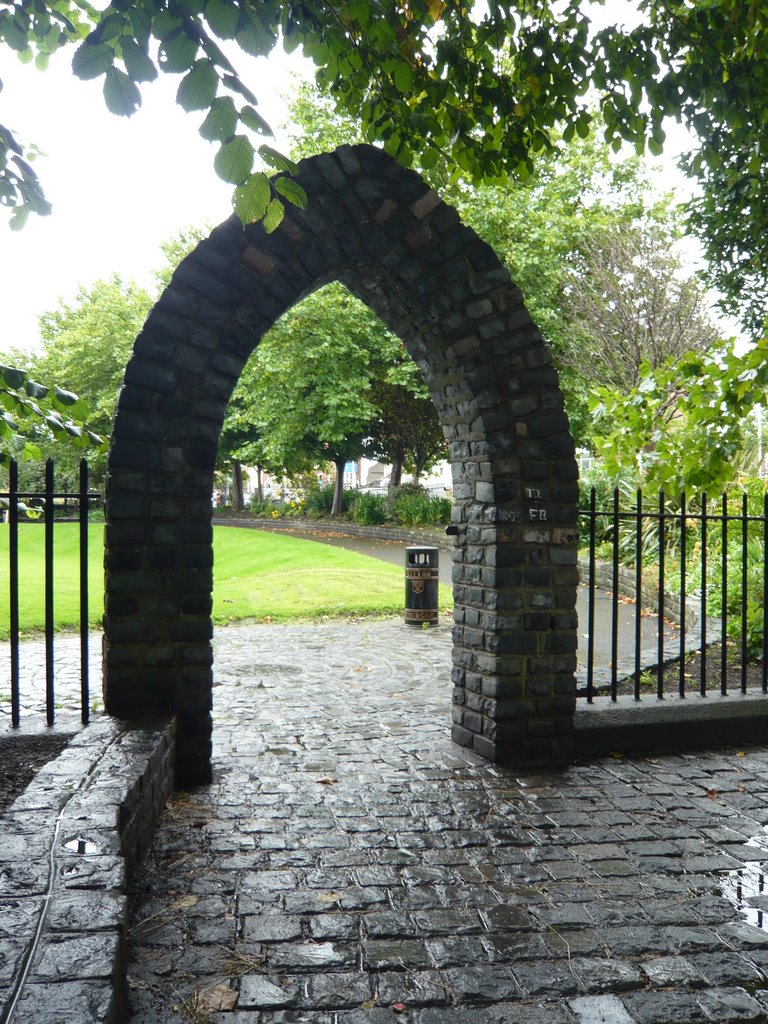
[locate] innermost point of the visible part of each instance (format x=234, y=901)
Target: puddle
x=747, y=888
x=81, y=846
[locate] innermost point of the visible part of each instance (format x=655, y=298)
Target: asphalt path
x=604, y=652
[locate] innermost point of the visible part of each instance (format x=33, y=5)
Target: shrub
x=369, y=509
x=266, y=509
x=411, y=505
x=318, y=501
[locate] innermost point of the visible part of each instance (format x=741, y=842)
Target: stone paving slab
x=349, y=865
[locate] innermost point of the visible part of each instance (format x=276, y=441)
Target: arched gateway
x=383, y=233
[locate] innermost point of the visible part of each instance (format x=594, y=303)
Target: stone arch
x=383, y=233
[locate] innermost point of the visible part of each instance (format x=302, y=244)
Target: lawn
x=264, y=576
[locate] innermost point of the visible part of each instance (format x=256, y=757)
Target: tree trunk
x=396, y=476
x=259, y=487
x=238, y=498
x=338, y=491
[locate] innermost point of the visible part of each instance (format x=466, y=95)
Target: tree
x=683, y=426
x=241, y=443
x=488, y=87
x=406, y=432
x=309, y=382
x=87, y=344
x=631, y=308
x=545, y=229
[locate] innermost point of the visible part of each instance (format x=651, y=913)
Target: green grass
x=268, y=577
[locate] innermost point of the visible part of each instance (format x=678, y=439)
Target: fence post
x=703, y=604
x=662, y=553
x=591, y=599
x=49, y=623
x=724, y=599
x=83, y=532
x=638, y=589
x=683, y=556
x=13, y=577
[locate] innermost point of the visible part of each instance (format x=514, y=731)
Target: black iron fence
x=680, y=587
x=41, y=510
x=695, y=575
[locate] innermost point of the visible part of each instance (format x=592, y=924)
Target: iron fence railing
x=701, y=564
x=37, y=510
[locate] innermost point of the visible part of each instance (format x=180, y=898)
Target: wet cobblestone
x=349, y=865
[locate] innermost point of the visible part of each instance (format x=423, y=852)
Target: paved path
x=349, y=865
x=394, y=552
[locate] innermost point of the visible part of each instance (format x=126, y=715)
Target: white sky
x=119, y=186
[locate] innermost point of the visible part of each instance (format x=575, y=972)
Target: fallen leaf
x=398, y=1007
x=184, y=903
x=617, y=754
x=329, y=897
x=395, y=695
x=712, y=794
x=742, y=754
x=220, y=997
x=326, y=781
x=369, y=1004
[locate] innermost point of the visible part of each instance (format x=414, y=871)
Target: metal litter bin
x=421, y=586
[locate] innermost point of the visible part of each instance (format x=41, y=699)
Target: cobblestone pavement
x=349, y=865
x=67, y=695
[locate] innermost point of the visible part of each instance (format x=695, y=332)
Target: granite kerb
x=670, y=725
x=69, y=846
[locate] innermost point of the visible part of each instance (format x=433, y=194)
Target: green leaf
x=91, y=60
x=35, y=390
x=403, y=77
x=141, y=23
x=12, y=377
x=233, y=82
x=137, y=63
x=65, y=397
x=109, y=28
x=234, y=160
x=197, y=90
x=221, y=120
x=120, y=93
x=255, y=39
x=253, y=120
x=251, y=199
x=292, y=191
x=18, y=218
x=275, y=159
x=222, y=18
x=274, y=216
x=177, y=52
